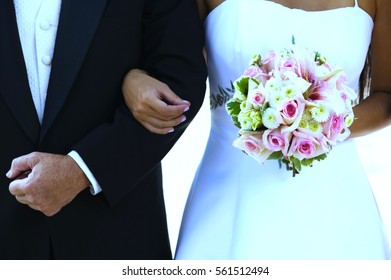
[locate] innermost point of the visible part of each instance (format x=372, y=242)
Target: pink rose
x=306, y=148
x=251, y=144
x=268, y=61
x=305, y=144
x=254, y=72
x=291, y=113
x=269, y=56
x=289, y=64
x=335, y=129
x=275, y=141
x=257, y=97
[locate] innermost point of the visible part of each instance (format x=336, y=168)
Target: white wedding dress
x=238, y=209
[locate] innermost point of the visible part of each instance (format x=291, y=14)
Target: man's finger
x=16, y=187
x=22, y=199
x=20, y=165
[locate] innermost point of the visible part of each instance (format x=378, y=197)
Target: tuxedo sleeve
x=121, y=153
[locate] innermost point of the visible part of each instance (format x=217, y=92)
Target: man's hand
x=46, y=182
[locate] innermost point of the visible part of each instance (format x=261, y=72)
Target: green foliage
x=296, y=164
x=233, y=107
x=236, y=121
x=321, y=157
x=307, y=161
x=275, y=155
x=242, y=85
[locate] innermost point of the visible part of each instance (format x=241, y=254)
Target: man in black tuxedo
x=46, y=206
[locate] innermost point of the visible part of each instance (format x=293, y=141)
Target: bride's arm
x=375, y=112
x=151, y=102
x=202, y=9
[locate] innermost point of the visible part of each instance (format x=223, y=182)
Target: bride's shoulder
x=370, y=6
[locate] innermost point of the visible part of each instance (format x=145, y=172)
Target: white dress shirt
x=37, y=24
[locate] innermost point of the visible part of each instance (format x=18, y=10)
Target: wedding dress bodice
x=238, y=29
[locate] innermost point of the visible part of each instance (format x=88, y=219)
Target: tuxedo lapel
x=14, y=87
x=77, y=25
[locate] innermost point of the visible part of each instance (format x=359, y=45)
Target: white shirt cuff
x=94, y=187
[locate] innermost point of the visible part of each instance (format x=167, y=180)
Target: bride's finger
x=162, y=125
x=159, y=110
x=164, y=111
x=157, y=130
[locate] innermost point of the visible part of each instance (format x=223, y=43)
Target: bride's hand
x=152, y=102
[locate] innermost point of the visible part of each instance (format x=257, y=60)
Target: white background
x=180, y=165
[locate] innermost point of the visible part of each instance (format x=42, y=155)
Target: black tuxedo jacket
x=97, y=42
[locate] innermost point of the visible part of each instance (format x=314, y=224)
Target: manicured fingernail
x=171, y=130
x=183, y=119
x=186, y=109
x=8, y=174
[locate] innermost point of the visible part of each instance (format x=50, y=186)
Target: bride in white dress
x=238, y=209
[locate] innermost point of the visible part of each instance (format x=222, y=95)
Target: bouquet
x=291, y=105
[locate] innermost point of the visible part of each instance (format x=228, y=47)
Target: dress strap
x=356, y=4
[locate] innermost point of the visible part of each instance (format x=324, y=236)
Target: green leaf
x=296, y=163
x=320, y=157
x=236, y=122
x=307, y=161
x=275, y=155
x=233, y=107
x=242, y=85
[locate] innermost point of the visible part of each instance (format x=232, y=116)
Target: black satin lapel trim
x=14, y=86
x=78, y=22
